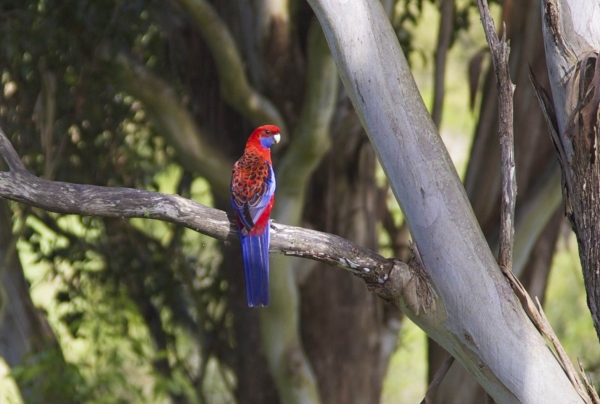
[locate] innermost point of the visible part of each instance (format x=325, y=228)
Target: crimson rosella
x=252, y=197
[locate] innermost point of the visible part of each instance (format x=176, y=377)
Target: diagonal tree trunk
x=533, y=154
x=440, y=218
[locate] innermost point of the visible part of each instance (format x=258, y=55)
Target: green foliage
x=137, y=306
x=407, y=374
x=59, y=381
x=410, y=13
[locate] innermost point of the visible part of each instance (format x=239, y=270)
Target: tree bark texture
x=440, y=218
x=572, y=39
x=225, y=122
x=459, y=387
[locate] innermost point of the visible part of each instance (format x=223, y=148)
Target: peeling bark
x=572, y=41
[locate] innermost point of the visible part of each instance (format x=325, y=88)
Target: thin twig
x=588, y=384
x=10, y=154
x=500, y=52
x=437, y=379
x=537, y=316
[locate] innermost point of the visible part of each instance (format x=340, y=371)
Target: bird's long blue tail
x=255, y=253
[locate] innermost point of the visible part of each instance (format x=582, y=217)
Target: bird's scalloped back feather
x=252, y=186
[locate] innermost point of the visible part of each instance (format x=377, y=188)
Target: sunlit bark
x=496, y=342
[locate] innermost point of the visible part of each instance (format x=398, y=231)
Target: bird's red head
x=264, y=136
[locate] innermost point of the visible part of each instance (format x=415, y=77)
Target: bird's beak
x=277, y=137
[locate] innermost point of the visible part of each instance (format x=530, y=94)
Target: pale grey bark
x=481, y=323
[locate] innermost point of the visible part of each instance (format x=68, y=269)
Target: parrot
x=252, y=197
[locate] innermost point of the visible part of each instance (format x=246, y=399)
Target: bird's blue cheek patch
x=267, y=142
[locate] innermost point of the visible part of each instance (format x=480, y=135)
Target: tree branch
x=455, y=254
x=435, y=383
x=500, y=53
x=392, y=279
x=10, y=155
x=572, y=43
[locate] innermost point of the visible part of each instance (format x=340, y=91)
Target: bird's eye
x=267, y=132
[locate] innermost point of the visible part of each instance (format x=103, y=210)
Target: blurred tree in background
x=162, y=96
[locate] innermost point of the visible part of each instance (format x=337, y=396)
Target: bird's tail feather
x=255, y=252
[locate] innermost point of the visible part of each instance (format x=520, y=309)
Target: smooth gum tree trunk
x=479, y=320
x=538, y=180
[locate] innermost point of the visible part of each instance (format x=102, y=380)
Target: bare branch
x=500, y=52
x=588, y=384
x=10, y=155
x=457, y=259
x=439, y=376
x=536, y=314
x=392, y=279
x=235, y=87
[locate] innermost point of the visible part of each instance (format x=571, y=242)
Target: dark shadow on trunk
x=346, y=329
